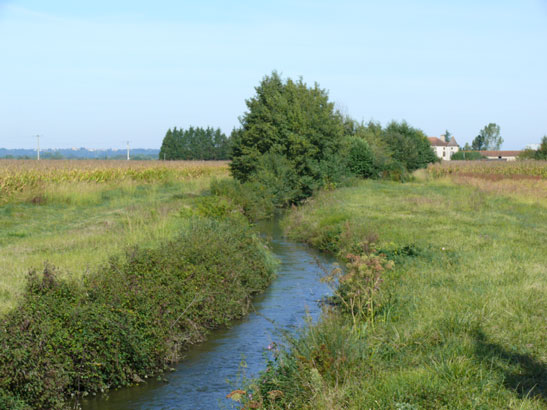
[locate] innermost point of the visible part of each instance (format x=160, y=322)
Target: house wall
x=445, y=153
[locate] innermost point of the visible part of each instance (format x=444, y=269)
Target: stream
x=200, y=380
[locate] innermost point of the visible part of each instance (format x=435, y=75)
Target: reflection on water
x=200, y=380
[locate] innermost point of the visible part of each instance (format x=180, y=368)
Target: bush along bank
x=131, y=318
x=330, y=353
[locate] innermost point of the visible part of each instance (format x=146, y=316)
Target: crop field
x=493, y=170
x=18, y=176
x=76, y=214
x=524, y=181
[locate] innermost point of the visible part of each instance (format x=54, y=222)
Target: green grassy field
x=460, y=320
x=78, y=225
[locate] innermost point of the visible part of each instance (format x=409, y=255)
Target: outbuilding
x=501, y=155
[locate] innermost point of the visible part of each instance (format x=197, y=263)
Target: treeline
x=292, y=141
x=194, y=144
x=80, y=153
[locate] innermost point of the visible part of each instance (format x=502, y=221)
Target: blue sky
x=98, y=73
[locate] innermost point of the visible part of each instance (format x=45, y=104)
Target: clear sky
x=98, y=73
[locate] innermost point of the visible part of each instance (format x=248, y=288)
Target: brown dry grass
x=503, y=169
x=524, y=190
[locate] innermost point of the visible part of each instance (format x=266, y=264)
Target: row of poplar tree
x=194, y=143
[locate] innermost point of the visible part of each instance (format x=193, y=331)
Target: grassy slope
x=80, y=225
x=464, y=324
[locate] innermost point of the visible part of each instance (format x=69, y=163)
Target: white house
x=444, y=150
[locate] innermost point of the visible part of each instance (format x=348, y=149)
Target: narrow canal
x=200, y=381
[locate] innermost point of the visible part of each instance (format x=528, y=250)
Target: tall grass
x=75, y=226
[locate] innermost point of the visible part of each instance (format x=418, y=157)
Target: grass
x=461, y=319
x=76, y=226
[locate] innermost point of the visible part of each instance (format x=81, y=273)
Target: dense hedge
x=129, y=319
x=467, y=156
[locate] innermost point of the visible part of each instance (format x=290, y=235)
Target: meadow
x=75, y=214
x=442, y=303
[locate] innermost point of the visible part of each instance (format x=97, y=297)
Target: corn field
x=21, y=175
x=491, y=169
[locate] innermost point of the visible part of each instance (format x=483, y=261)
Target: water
x=200, y=380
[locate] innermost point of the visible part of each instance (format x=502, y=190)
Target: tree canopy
x=290, y=120
x=489, y=138
x=194, y=144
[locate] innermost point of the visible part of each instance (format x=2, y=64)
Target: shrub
x=253, y=199
x=409, y=146
x=360, y=158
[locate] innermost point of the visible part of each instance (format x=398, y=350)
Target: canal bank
x=200, y=381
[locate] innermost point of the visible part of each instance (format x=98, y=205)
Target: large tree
x=291, y=121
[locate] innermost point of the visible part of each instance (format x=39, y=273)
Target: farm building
x=444, y=150
x=501, y=155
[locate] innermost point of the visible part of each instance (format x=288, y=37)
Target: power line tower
x=38, y=147
x=128, y=149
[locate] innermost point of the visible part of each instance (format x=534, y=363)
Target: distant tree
x=539, y=154
x=447, y=136
x=168, y=150
x=409, y=145
x=194, y=144
x=491, y=138
x=478, y=144
x=52, y=155
x=467, y=147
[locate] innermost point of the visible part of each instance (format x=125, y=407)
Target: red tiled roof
x=500, y=153
x=437, y=142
